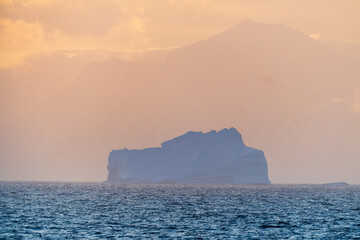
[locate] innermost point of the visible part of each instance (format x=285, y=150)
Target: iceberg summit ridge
x=195, y=157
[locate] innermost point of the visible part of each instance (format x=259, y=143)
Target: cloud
x=24, y=3
x=18, y=38
x=135, y=30
x=33, y=26
x=19, y=34
x=316, y=37
x=77, y=17
x=338, y=100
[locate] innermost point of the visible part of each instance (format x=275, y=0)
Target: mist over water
x=112, y=211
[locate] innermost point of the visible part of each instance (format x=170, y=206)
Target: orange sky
x=67, y=99
x=28, y=26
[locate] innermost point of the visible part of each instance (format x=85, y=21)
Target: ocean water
x=156, y=211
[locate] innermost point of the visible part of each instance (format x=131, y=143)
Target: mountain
x=195, y=157
x=294, y=98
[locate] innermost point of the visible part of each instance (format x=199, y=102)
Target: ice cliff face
x=195, y=157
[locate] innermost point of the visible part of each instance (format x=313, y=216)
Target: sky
x=28, y=26
x=67, y=98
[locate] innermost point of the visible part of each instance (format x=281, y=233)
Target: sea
x=46, y=210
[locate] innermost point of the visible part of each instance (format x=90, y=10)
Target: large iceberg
x=195, y=157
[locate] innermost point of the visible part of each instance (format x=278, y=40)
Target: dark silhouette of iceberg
x=195, y=157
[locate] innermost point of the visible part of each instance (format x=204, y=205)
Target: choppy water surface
x=105, y=211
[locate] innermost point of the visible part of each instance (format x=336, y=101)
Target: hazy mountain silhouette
x=288, y=94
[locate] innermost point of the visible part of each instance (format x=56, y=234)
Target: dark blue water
x=105, y=211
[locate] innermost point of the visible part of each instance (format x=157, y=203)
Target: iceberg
x=195, y=157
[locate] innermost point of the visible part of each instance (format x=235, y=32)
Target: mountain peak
x=247, y=26
x=252, y=45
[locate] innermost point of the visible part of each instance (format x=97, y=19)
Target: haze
x=81, y=78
